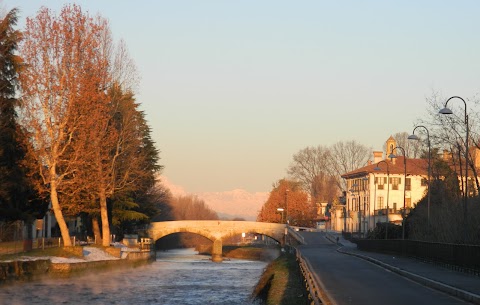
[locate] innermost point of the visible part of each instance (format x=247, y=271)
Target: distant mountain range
x=236, y=203
x=228, y=205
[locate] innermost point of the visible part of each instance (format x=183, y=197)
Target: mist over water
x=176, y=277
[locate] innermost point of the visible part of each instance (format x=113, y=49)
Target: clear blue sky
x=232, y=89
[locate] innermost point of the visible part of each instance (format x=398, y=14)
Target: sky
x=233, y=89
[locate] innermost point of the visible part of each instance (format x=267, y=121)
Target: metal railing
x=455, y=256
x=316, y=294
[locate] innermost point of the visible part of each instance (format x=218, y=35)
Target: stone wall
x=143, y=255
x=19, y=270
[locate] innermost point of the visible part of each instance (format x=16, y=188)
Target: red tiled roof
x=414, y=167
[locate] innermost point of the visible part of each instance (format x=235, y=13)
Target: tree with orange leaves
x=66, y=70
x=289, y=196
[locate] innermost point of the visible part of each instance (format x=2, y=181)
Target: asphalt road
x=351, y=280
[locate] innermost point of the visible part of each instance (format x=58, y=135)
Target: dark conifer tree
x=13, y=186
x=136, y=205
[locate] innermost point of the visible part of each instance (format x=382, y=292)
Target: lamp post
x=374, y=201
x=414, y=137
x=377, y=168
x=446, y=110
x=404, y=185
x=364, y=181
x=286, y=205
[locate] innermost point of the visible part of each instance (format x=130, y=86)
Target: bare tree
x=124, y=70
x=345, y=157
x=412, y=148
x=191, y=207
x=310, y=167
x=448, y=132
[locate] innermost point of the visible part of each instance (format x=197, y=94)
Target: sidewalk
x=462, y=285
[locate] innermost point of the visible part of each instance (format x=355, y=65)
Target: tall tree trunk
x=104, y=217
x=57, y=211
x=96, y=230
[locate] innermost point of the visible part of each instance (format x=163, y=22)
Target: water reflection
x=176, y=277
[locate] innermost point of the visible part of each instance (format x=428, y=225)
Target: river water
x=176, y=277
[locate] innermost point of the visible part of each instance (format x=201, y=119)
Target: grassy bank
x=282, y=283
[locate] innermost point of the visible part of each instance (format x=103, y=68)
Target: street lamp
x=377, y=168
x=374, y=202
x=414, y=137
x=286, y=205
x=364, y=181
x=446, y=110
x=404, y=185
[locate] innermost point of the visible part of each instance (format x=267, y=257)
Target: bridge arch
x=162, y=234
x=217, y=231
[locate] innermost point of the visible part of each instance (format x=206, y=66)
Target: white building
x=381, y=189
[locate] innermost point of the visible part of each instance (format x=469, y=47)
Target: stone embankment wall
x=24, y=270
x=143, y=255
x=17, y=270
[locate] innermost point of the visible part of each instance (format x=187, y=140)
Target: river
x=176, y=277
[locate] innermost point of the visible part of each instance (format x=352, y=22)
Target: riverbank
x=66, y=262
x=282, y=283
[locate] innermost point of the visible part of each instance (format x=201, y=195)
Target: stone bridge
x=217, y=231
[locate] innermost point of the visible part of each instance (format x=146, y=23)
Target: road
x=351, y=280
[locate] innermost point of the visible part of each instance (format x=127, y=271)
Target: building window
x=424, y=182
x=380, y=181
x=408, y=184
x=379, y=202
x=395, y=181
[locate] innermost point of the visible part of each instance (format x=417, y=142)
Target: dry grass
x=282, y=283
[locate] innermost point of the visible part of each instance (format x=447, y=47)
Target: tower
x=391, y=144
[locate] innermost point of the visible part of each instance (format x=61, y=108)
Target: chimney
x=377, y=156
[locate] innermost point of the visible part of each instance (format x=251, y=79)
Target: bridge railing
x=292, y=233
